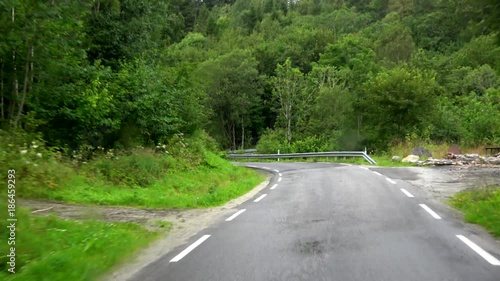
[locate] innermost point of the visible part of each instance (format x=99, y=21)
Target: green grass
x=52, y=249
x=480, y=206
x=210, y=183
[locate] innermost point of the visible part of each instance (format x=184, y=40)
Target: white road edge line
x=390, y=180
x=407, y=193
x=267, y=168
x=276, y=171
x=260, y=198
x=489, y=258
x=190, y=248
x=377, y=173
x=235, y=215
x=433, y=214
x=279, y=179
x=280, y=174
x=364, y=168
x=251, y=166
x=274, y=186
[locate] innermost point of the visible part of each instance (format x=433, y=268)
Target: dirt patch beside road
x=443, y=182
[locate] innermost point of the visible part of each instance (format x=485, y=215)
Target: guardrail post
x=278, y=154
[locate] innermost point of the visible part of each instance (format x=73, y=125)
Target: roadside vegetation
x=53, y=249
x=182, y=174
x=480, y=206
x=129, y=103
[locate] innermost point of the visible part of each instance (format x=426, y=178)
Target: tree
x=291, y=91
x=233, y=88
x=399, y=103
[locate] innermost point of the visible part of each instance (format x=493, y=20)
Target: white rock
x=411, y=159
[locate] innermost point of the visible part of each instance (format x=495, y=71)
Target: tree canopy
x=311, y=73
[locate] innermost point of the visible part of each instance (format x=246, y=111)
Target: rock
x=396, y=159
x=451, y=156
x=439, y=162
x=490, y=160
x=468, y=157
x=420, y=151
x=497, y=155
x=411, y=159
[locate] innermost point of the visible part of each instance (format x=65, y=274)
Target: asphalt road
x=333, y=222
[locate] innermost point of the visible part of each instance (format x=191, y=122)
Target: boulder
x=411, y=159
x=420, y=151
x=396, y=159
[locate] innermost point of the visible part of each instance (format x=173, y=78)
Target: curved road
x=323, y=221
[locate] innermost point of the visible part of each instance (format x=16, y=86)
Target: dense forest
x=298, y=76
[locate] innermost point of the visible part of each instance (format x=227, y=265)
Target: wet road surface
x=323, y=221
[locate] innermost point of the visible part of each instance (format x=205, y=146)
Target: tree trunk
x=1, y=92
x=289, y=130
x=15, y=83
x=242, y=135
x=25, y=85
x=234, y=136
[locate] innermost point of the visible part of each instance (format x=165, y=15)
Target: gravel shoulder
x=443, y=182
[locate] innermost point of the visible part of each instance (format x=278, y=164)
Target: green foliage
x=122, y=74
x=271, y=141
x=39, y=168
x=399, y=103
x=480, y=206
x=48, y=248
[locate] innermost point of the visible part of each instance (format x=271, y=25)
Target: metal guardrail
x=305, y=155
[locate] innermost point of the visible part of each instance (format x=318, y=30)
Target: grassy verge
x=48, y=248
x=166, y=183
x=480, y=206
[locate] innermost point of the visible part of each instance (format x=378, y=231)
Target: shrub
x=272, y=141
x=37, y=167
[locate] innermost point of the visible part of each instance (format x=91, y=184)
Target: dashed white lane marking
x=280, y=174
x=235, y=215
x=276, y=171
x=377, y=173
x=279, y=179
x=267, y=168
x=260, y=198
x=274, y=186
x=433, y=214
x=364, y=168
x=390, y=180
x=407, y=193
x=190, y=248
x=489, y=258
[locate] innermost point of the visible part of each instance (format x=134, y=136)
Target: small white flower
x=36, y=165
x=35, y=146
x=163, y=146
x=39, y=155
x=33, y=142
x=27, y=162
x=24, y=151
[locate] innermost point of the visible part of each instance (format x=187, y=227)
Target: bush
x=312, y=144
x=272, y=141
x=141, y=168
x=37, y=167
